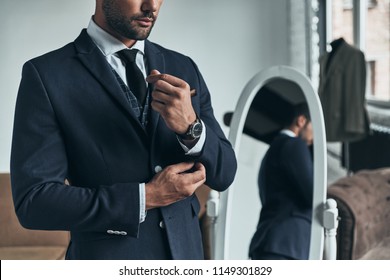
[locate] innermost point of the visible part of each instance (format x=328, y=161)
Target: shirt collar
x=107, y=43
x=288, y=133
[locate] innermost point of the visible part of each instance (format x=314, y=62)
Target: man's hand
x=174, y=183
x=171, y=98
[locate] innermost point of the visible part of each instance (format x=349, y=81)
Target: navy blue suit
x=286, y=190
x=73, y=122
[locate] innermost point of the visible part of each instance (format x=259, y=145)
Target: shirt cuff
x=197, y=149
x=142, y=203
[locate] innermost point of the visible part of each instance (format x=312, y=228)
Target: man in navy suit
x=131, y=165
x=286, y=189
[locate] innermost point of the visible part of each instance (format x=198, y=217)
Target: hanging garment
x=342, y=92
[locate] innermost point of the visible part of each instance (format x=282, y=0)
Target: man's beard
x=126, y=26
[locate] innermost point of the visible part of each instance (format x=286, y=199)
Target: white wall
x=28, y=29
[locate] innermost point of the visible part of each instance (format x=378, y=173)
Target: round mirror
x=257, y=119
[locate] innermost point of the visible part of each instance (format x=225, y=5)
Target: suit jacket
x=342, y=93
x=286, y=193
x=72, y=121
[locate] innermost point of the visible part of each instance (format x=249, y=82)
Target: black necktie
x=135, y=78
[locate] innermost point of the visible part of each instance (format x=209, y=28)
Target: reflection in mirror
x=279, y=116
x=289, y=224
x=285, y=178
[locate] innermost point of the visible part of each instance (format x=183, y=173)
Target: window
x=367, y=26
x=347, y=4
x=371, y=68
x=372, y=3
x=377, y=49
x=342, y=25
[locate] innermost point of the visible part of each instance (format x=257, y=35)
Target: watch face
x=197, y=130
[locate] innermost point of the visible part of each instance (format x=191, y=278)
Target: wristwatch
x=194, y=131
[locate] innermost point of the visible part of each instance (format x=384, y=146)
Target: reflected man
x=286, y=189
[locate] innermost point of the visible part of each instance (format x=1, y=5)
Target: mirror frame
x=223, y=224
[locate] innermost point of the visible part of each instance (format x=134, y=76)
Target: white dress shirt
x=288, y=132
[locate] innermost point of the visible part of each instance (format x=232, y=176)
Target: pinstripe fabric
x=140, y=112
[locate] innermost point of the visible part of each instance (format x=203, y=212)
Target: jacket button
x=157, y=168
x=162, y=225
x=110, y=231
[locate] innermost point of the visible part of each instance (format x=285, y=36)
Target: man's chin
x=142, y=34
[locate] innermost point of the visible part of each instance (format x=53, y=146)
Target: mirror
x=276, y=87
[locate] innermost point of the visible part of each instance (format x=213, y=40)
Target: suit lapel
x=93, y=59
x=335, y=60
x=326, y=72
x=155, y=60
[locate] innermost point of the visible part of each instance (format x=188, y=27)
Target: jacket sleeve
x=217, y=154
x=39, y=168
x=355, y=95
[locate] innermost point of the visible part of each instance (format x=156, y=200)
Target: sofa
x=18, y=243
x=363, y=202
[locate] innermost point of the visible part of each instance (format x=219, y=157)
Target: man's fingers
x=181, y=167
x=195, y=171
x=152, y=78
x=197, y=174
x=187, y=177
x=198, y=167
x=157, y=76
x=172, y=80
